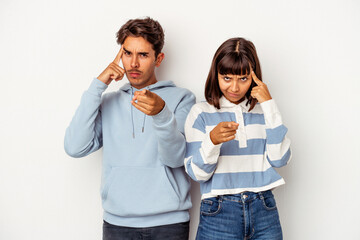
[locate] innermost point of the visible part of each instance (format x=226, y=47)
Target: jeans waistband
x=246, y=196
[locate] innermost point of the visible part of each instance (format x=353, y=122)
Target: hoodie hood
x=153, y=87
x=158, y=85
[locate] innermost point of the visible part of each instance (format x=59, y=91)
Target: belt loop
x=261, y=195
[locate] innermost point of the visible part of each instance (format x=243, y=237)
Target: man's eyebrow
x=144, y=53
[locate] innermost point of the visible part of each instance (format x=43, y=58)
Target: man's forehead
x=136, y=49
x=137, y=44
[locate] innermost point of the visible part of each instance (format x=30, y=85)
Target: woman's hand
x=223, y=132
x=260, y=92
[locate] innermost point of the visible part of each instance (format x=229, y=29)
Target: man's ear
x=159, y=59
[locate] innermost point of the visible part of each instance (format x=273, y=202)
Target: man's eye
x=127, y=53
x=143, y=55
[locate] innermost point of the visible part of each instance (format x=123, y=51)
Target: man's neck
x=148, y=83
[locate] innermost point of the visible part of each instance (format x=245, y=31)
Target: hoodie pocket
x=139, y=191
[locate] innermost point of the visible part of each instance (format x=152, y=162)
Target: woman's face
x=234, y=87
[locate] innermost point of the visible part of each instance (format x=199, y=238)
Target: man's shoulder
x=113, y=96
x=175, y=92
x=181, y=91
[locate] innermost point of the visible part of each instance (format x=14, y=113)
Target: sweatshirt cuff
x=163, y=117
x=210, y=150
x=271, y=114
x=97, y=87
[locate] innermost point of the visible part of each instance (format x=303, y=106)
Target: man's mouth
x=134, y=73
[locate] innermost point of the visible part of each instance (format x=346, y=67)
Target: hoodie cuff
x=97, y=87
x=163, y=117
x=271, y=114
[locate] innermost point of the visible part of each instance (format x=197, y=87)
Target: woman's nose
x=234, y=86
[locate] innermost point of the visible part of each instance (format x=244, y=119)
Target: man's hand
x=223, y=132
x=260, y=92
x=148, y=102
x=113, y=71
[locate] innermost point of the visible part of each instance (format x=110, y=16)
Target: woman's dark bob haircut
x=235, y=56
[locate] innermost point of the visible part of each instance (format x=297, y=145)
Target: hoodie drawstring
x=132, y=117
x=143, y=127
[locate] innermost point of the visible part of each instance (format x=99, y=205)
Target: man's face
x=139, y=62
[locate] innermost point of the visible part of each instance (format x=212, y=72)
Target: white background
x=51, y=50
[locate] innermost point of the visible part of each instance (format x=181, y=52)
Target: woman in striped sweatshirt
x=234, y=141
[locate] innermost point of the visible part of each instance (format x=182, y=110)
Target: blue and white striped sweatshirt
x=243, y=164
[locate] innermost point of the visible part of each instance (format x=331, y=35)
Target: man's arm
x=84, y=134
x=169, y=128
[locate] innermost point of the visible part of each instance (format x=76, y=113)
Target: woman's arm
x=278, y=151
x=203, y=144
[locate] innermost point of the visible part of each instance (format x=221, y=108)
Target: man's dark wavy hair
x=147, y=28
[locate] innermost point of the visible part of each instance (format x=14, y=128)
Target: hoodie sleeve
x=169, y=128
x=84, y=134
x=278, y=151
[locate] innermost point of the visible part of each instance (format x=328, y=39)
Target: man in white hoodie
x=144, y=190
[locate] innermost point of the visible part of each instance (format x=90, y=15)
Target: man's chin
x=137, y=83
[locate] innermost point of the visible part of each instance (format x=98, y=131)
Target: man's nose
x=134, y=62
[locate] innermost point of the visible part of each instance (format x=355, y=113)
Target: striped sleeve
x=278, y=151
x=201, y=154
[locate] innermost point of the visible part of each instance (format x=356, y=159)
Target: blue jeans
x=241, y=216
x=178, y=231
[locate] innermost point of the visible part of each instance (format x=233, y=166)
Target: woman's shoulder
x=203, y=106
x=257, y=109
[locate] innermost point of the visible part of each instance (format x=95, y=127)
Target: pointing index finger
x=118, y=56
x=256, y=80
x=230, y=125
x=142, y=94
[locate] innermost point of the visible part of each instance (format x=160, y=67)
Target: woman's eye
x=243, y=79
x=226, y=78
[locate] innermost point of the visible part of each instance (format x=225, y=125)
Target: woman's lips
x=233, y=95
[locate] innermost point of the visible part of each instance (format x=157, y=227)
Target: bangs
x=234, y=63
